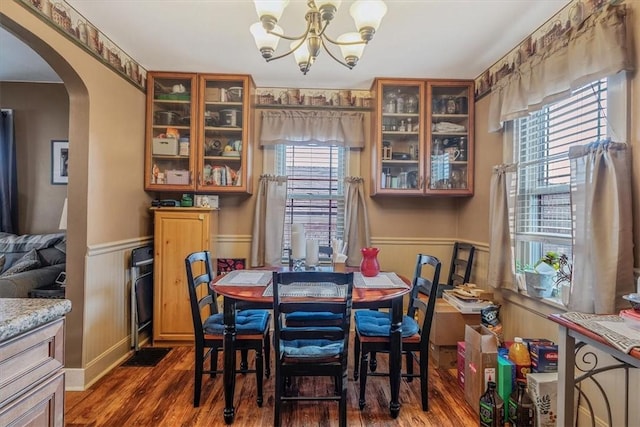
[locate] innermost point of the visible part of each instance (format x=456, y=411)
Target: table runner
x=384, y=280
x=310, y=289
x=246, y=278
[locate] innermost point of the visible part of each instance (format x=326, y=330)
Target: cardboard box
x=212, y=94
x=443, y=356
x=481, y=361
x=505, y=381
x=544, y=358
x=543, y=389
x=165, y=147
x=448, y=324
x=461, y=358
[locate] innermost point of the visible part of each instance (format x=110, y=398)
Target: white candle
x=297, y=245
x=312, y=252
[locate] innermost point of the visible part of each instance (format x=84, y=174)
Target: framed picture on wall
x=59, y=161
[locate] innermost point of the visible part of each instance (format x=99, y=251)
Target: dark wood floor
x=163, y=396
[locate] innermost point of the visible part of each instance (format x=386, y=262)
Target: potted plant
x=542, y=278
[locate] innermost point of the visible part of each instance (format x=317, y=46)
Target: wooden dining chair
x=461, y=265
x=373, y=327
x=252, y=327
x=305, y=351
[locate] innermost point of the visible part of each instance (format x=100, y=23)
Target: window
x=315, y=190
x=542, y=141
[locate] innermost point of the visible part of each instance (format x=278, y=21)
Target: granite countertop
x=18, y=315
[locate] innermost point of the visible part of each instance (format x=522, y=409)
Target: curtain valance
x=300, y=127
x=596, y=49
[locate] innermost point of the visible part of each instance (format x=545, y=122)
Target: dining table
x=243, y=287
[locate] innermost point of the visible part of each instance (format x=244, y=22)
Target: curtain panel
x=301, y=127
x=600, y=47
x=268, y=222
x=602, y=227
x=356, y=220
x=501, y=226
x=8, y=174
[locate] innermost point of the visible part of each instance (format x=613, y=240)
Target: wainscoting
x=107, y=313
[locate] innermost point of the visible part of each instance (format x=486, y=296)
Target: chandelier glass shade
x=367, y=15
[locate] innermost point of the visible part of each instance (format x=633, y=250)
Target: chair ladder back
x=285, y=305
x=461, y=263
x=200, y=297
x=427, y=286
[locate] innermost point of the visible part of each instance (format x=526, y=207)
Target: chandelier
x=367, y=15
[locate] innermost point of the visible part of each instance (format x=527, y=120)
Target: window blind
x=315, y=190
x=542, y=141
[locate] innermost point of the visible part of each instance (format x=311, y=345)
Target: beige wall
x=106, y=138
x=41, y=114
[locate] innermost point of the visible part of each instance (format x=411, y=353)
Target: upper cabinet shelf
x=423, y=132
x=198, y=133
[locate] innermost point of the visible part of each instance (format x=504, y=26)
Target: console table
x=568, y=334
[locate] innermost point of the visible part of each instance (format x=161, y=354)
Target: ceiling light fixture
x=367, y=15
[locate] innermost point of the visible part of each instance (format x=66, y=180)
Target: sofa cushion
x=51, y=256
x=30, y=261
x=26, y=242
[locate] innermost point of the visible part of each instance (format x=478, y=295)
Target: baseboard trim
x=81, y=379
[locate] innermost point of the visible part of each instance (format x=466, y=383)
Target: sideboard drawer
x=30, y=358
x=42, y=406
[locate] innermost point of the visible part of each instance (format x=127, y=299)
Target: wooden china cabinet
x=423, y=132
x=198, y=132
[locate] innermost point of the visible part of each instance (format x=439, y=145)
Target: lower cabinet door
x=42, y=406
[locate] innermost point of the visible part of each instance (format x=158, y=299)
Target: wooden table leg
x=395, y=356
x=566, y=375
x=229, y=358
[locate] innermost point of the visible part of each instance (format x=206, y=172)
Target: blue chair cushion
x=318, y=317
x=248, y=322
x=376, y=326
x=372, y=313
x=311, y=349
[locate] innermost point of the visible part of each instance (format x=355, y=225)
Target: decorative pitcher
x=369, y=265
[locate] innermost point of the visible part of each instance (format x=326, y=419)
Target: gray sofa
x=30, y=261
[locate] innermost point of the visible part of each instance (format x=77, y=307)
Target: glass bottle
x=437, y=147
x=411, y=104
x=400, y=102
x=521, y=407
x=390, y=102
x=491, y=407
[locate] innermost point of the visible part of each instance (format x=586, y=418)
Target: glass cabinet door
x=224, y=121
x=450, y=138
x=399, y=136
x=169, y=161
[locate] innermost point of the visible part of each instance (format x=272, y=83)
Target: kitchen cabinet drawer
x=30, y=358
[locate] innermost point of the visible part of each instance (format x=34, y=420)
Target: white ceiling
x=417, y=38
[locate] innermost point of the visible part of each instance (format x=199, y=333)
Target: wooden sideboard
x=32, y=383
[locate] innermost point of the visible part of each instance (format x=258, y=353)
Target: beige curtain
x=501, y=204
x=268, y=223
x=300, y=127
x=598, y=48
x=356, y=220
x=602, y=227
